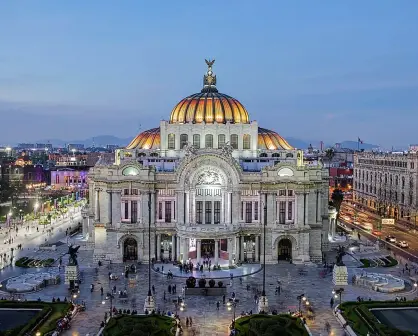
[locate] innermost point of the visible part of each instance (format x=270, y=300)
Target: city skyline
x=329, y=73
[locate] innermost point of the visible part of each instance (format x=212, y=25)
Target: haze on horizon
x=328, y=71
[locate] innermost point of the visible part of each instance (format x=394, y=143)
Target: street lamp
x=149, y=301
x=301, y=298
x=232, y=305
x=263, y=303
x=38, y=333
x=110, y=297
x=338, y=293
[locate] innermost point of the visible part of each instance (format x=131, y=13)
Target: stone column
x=198, y=250
x=187, y=208
x=235, y=207
x=178, y=248
x=109, y=207
x=230, y=251
x=257, y=242
x=116, y=208
x=185, y=249
x=158, y=247
x=85, y=225
x=173, y=247
x=97, y=206
x=228, y=204
x=180, y=207
x=242, y=248
x=216, y=251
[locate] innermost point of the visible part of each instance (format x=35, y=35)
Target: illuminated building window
x=183, y=140
x=208, y=212
x=171, y=141
x=246, y=141
x=196, y=140
x=221, y=140
x=234, y=141
x=208, y=141
x=199, y=212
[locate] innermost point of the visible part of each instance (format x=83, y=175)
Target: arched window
x=171, y=141
x=183, y=140
x=275, y=155
x=154, y=154
x=263, y=155
x=221, y=140
x=246, y=141
x=208, y=141
x=234, y=141
x=196, y=140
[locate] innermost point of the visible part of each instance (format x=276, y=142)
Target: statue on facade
x=340, y=254
x=227, y=150
x=189, y=149
x=72, y=251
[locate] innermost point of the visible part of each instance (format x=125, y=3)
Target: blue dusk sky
x=313, y=70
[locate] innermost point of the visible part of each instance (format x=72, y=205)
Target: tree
x=337, y=198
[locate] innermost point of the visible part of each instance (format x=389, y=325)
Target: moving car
x=390, y=239
x=403, y=244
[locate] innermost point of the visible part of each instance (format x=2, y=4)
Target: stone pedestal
x=72, y=275
x=149, y=304
x=340, y=275
x=263, y=304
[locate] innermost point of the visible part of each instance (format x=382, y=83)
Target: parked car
x=403, y=244
x=390, y=239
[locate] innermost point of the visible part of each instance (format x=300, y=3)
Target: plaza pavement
x=207, y=320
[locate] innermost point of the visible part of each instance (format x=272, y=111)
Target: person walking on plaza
x=169, y=289
x=331, y=302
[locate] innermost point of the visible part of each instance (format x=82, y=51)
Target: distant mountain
x=297, y=143
x=355, y=145
x=98, y=141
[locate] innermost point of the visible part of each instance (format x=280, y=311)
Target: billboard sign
x=388, y=221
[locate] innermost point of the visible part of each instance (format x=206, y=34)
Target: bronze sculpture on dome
x=209, y=63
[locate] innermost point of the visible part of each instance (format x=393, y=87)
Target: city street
x=32, y=239
x=365, y=220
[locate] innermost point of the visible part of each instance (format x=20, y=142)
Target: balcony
x=286, y=227
x=208, y=228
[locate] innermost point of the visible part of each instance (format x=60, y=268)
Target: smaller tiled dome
x=146, y=140
x=270, y=140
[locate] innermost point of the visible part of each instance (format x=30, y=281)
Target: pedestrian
x=101, y=291
x=162, y=268
x=187, y=322
x=331, y=302
x=164, y=297
x=223, y=299
x=217, y=305
x=190, y=321
x=169, y=289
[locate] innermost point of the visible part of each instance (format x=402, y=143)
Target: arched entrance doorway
x=284, y=250
x=207, y=248
x=130, y=249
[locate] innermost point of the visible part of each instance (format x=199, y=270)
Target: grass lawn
x=270, y=325
x=57, y=311
x=140, y=325
x=363, y=321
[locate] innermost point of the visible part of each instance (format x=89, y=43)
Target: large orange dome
x=209, y=107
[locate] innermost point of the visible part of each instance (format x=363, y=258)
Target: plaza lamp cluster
x=337, y=293
x=110, y=297
x=302, y=298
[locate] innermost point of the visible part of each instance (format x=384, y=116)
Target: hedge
x=140, y=325
x=56, y=311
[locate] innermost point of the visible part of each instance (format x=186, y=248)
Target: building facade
x=387, y=183
x=202, y=185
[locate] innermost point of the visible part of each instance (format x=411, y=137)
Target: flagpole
x=358, y=144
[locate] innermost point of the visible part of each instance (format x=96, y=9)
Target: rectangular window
x=282, y=192
x=126, y=191
x=168, y=211
x=174, y=210
x=171, y=141
x=134, y=192
x=256, y=210
x=246, y=141
x=208, y=212
x=289, y=210
x=134, y=211
x=217, y=212
x=183, y=140
x=126, y=210
x=248, y=212
x=234, y=141
x=199, y=212
x=282, y=212
x=196, y=140
x=160, y=210
x=290, y=193
x=242, y=210
x=209, y=141
x=221, y=140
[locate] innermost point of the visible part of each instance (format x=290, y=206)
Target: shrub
x=220, y=284
x=191, y=282
x=366, y=263
x=202, y=283
x=211, y=283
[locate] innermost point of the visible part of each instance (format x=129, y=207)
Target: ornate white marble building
x=202, y=179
